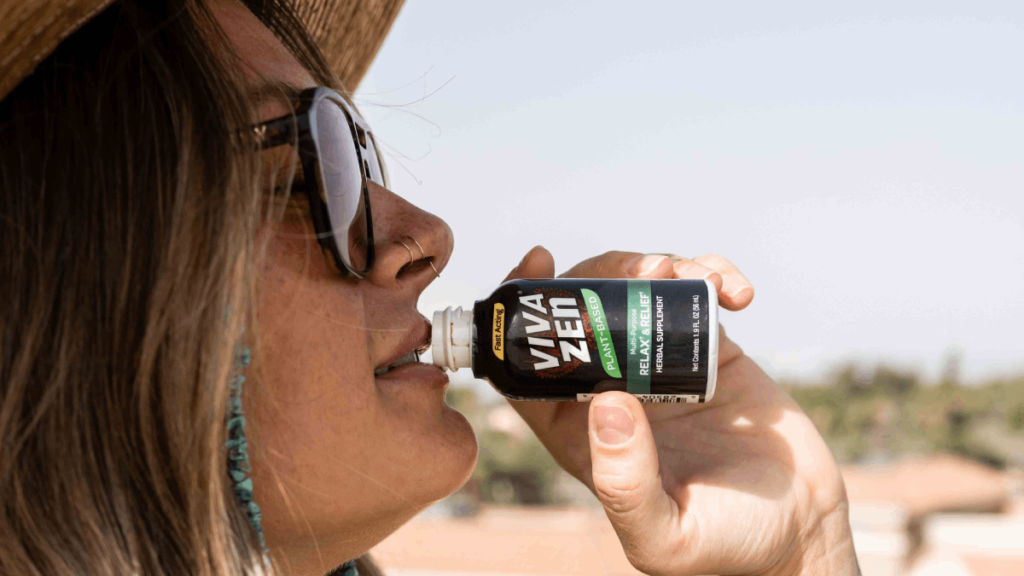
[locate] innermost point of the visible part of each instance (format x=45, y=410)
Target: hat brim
x=349, y=32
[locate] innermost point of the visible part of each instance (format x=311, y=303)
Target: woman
x=148, y=248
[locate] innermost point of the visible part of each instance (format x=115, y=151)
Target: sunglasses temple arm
x=276, y=132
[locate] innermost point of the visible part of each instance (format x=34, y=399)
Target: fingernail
x=648, y=264
x=613, y=425
x=735, y=294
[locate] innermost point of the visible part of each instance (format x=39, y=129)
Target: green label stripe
x=603, y=336
x=638, y=337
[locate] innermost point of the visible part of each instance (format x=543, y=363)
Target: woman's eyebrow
x=267, y=91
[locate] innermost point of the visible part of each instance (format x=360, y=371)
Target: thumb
x=538, y=263
x=624, y=462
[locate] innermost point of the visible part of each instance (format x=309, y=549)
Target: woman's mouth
x=413, y=356
x=416, y=342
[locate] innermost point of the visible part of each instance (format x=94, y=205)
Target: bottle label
x=566, y=338
x=498, y=331
x=602, y=334
x=638, y=336
x=652, y=398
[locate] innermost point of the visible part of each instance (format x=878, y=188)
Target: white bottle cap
x=452, y=339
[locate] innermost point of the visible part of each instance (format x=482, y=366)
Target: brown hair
x=128, y=213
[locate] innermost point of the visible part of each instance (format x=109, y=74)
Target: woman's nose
x=412, y=246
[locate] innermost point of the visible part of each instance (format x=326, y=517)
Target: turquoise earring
x=238, y=462
x=238, y=451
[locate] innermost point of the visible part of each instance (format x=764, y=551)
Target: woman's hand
x=742, y=485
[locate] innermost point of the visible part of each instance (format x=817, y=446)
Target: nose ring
x=412, y=258
x=423, y=253
x=418, y=245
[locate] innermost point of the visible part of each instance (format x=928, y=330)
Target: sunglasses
x=338, y=156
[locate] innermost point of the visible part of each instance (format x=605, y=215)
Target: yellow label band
x=499, y=332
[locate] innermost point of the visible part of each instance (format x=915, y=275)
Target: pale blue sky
x=864, y=165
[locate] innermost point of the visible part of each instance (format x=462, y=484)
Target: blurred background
x=862, y=164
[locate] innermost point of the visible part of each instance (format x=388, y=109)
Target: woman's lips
x=415, y=339
x=413, y=356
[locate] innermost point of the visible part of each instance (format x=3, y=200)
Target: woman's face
x=341, y=457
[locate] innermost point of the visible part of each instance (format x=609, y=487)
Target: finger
x=622, y=265
x=538, y=263
x=688, y=269
x=737, y=292
x=624, y=462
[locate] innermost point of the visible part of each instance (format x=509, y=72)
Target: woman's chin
x=464, y=446
x=440, y=448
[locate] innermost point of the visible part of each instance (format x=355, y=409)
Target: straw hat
x=349, y=32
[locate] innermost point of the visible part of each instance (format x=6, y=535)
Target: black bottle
x=568, y=339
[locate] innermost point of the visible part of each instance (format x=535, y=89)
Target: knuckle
x=609, y=264
x=715, y=259
x=610, y=257
x=684, y=264
x=691, y=269
x=620, y=496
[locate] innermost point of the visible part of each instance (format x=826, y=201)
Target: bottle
x=570, y=339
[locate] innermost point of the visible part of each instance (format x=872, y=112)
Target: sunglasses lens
x=342, y=184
